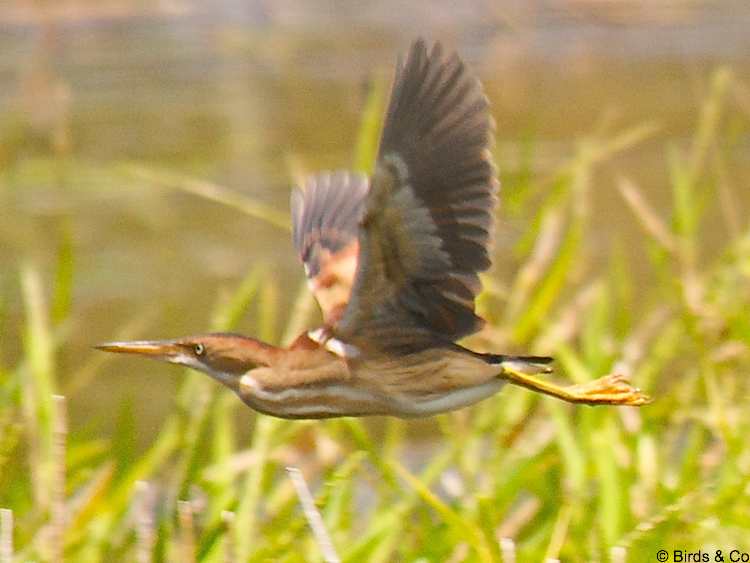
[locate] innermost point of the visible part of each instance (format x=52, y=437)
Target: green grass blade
x=39, y=386
x=63, y=294
x=212, y=192
x=366, y=147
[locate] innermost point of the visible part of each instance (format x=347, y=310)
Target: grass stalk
x=59, y=515
x=312, y=514
x=186, y=531
x=144, y=522
x=6, y=535
x=210, y=191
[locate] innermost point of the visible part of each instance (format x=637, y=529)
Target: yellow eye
x=199, y=349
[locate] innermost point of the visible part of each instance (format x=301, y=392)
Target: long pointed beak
x=157, y=349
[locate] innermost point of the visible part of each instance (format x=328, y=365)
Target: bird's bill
x=157, y=349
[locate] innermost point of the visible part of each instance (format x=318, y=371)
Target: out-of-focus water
x=243, y=93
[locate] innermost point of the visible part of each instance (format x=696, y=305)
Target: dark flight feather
x=428, y=218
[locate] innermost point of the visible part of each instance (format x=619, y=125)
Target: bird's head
x=225, y=357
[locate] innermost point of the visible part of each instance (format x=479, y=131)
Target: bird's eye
x=199, y=349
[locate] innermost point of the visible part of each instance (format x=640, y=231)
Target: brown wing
x=325, y=223
x=428, y=216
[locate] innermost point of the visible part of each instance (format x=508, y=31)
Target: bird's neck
x=235, y=355
x=256, y=353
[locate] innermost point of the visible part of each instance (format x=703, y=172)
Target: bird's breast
x=312, y=399
x=319, y=386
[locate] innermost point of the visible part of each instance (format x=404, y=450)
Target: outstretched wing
x=325, y=222
x=428, y=216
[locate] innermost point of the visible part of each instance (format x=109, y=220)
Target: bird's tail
x=524, y=364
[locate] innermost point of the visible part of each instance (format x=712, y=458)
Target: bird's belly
x=407, y=387
x=335, y=400
x=451, y=400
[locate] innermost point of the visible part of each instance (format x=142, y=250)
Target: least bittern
x=393, y=261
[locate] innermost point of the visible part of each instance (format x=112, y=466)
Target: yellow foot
x=607, y=390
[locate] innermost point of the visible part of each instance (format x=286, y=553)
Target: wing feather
x=428, y=217
x=325, y=222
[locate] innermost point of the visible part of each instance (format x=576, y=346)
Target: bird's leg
x=607, y=390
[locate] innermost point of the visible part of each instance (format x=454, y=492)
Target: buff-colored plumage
x=393, y=261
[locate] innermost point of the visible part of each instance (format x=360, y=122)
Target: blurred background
x=246, y=94
x=147, y=151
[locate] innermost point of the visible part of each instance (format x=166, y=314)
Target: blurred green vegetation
x=518, y=477
x=626, y=251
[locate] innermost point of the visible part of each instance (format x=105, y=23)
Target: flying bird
x=393, y=260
